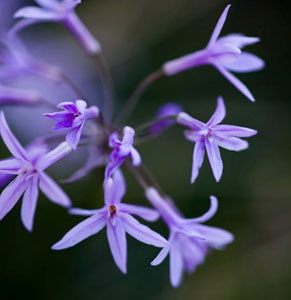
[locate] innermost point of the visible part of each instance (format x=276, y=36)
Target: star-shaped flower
x=58, y=11
x=122, y=150
x=189, y=241
x=211, y=135
x=224, y=54
x=28, y=166
x=73, y=117
x=117, y=217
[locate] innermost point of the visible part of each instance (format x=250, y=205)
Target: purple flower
x=168, y=109
x=58, y=11
x=224, y=54
x=122, y=150
x=211, y=135
x=28, y=166
x=73, y=117
x=189, y=240
x=117, y=217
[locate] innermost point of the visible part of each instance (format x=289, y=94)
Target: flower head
x=28, y=166
x=224, y=54
x=73, y=117
x=189, y=241
x=58, y=11
x=117, y=217
x=211, y=135
x=122, y=150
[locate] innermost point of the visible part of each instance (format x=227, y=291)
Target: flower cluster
x=112, y=145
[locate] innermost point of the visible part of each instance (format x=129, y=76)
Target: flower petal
x=10, y=166
x=81, y=106
x=232, y=143
x=135, y=156
x=20, y=25
x=239, y=40
x=32, y=12
x=114, y=189
x=146, y=213
x=117, y=242
x=73, y=137
x=86, y=212
x=161, y=256
x=10, y=140
x=218, y=27
x=176, y=263
x=114, y=163
x=128, y=135
x=53, y=191
x=11, y=194
x=214, y=159
x=198, y=157
x=231, y=130
x=29, y=202
x=246, y=62
x=219, y=113
x=51, y=4
x=5, y=178
x=236, y=82
x=68, y=106
x=81, y=231
x=186, y=120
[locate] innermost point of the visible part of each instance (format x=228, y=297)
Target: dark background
x=254, y=193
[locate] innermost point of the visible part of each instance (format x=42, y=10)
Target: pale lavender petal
x=15, y=96
x=29, y=202
x=81, y=231
x=69, y=106
x=11, y=166
x=113, y=164
x=81, y=106
x=239, y=40
x=141, y=232
x=216, y=237
x=48, y=4
x=246, y=62
x=53, y=191
x=5, y=178
x=176, y=264
x=146, y=213
x=219, y=113
x=73, y=137
x=135, y=156
x=60, y=116
x=231, y=130
x=86, y=212
x=117, y=242
x=161, y=256
x=198, y=157
x=10, y=140
x=232, y=143
x=114, y=188
x=186, y=120
x=32, y=12
x=192, y=136
x=61, y=151
x=223, y=54
x=236, y=82
x=20, y=25
x=11, y=194
x=128, y=135
x=91, y=113
x=214, y=159
x=218, y=27
x=114, y=140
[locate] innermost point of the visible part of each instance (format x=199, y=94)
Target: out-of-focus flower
x=166, y=110
x=122, y=150
x=117, y=217
x=211, y=135
x=224, y=54
x=58, y=11
x=28, y=166
x=73, y=117
x=189, y=240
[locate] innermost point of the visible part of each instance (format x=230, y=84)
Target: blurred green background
x=254, y=193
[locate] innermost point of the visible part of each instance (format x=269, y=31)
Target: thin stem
x=73, y=86
x=149, y=124
x=136, y=95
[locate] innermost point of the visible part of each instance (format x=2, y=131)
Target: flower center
x=112, y=209
x=77, y=114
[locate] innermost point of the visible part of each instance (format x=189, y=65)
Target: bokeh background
x=254, y=193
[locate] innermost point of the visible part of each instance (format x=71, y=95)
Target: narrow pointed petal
x=214, y=159
x=11, y=194
x=114, y=188
x=246, y=62
x=70, y=106
x=161, y=256
x=81, y=232
x=146, y=213
x=176, y=264
x=81, y=106
x=236, y=82
x=128, y=135
x=135, y=156
x=11, y=165
x=60, y=116
x=231, y=130
x=10, y=140
x=142, y=233
x=239, y=40
x=219, y=113
x=48, y=4
x=216, y=237
x=20, y=25
x=73, y=137
x=53, y=191
x=86, y=212
x=117, y=242
x=198, y=157
x=217, y=30
x=32, y=12
x=232, y=143
x=186, y=120
x=113, y=166
x=29, y=202
x=61, y=151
